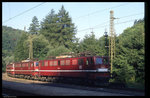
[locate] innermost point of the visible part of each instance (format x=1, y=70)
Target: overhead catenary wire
x=78, y=17
x=23, y=12
x=92, y=14
x=101, y=10
x=131, y=15
x=63, y=23
x=107, y=25
x=75, y=18
x=99, y=25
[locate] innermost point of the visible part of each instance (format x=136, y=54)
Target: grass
x=136, y=86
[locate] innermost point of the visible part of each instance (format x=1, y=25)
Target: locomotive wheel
x=15, y=76
x=32, y=77
x=21, y=76
x=49, y=79
x=28, y=77
x=43, y=79
x=36, y=77
x=53, y=79
x=46, y=79
x=39, y=78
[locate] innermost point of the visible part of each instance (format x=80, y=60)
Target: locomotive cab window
x=98, y=61
x=105, y=60
x=37, y=63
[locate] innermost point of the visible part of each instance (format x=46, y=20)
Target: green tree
x=49, y=28
x=91, y=44
x=3, y=65
x=130, y=54
x=21, y=50
x=34, y=26
x=66, y=28
x=10, y=37
x=58, y=51
x=102, y=49
x=122, y=71
x=58, y=28
x=40, y=46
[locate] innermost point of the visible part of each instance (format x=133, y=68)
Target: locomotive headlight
x=102, y=69
x=36, y=69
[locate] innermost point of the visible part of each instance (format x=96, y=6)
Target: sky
x=87, y=16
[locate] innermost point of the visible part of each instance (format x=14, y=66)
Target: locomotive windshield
x=101, y=60
x=98, y=60
x=37, y=63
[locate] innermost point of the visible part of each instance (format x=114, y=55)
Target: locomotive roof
x=73, y=57
x=57, y=59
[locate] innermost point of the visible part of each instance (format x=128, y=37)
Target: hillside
x=10, y=37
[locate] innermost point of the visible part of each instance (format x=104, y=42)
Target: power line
x=65, y=23
x=96, y=26
x=125, y=21
x=99, y=25
x=23, y=12
x=101, y=10
x=107, y=25
x=132, y=15
x=93, y=26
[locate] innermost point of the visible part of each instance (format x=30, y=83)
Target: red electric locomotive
x=91, y=68
x=25, y=69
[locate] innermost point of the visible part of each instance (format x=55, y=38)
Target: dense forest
x=10, y=39
x=55, y=35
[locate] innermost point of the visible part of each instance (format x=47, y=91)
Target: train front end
x=102, y=67
x=10, y=69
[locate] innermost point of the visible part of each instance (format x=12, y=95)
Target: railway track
x=56, y=90
x=82, y=87
x=82, y=82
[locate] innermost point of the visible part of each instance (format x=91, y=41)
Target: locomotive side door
x=80, y=63
x=89, y=67
x=89, y=63
x=36, y=68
